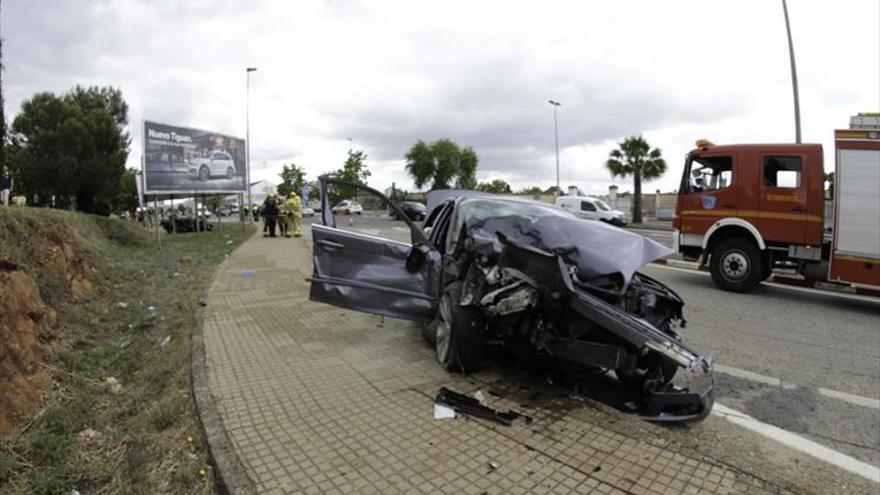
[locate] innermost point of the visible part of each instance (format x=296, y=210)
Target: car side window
x=366, y=212
x=441, y=225
x=782, y=171
x=587, y=206
x=432, y=217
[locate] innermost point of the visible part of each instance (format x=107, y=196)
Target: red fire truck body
x=748, y=209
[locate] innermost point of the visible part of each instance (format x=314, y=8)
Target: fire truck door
x=783, y=205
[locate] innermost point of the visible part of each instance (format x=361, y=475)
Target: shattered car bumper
x=673, y=404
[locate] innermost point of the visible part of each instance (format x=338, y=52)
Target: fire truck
x=748, y=210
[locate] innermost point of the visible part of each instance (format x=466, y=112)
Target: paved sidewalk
x=317, y=399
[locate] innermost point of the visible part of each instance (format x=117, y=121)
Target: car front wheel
x=458, y=338
x=230, y=172
x=204, y=173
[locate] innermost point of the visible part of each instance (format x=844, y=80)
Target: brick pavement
x=317, y=399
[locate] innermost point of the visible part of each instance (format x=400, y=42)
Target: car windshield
x=602, y=205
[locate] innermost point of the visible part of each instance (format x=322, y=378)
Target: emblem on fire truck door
x=708, y=202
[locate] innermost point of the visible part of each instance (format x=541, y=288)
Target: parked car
x=591, y=209
x=308, y=211
x=216, y=164
x=186, y=224
x=224, y=211
x=348, y=207
x=530, y=277
x=413, y=210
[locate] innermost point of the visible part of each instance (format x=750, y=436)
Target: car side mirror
x=416, y=257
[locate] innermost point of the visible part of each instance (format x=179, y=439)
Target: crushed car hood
x=595, y=248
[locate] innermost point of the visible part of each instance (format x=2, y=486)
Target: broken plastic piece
x=443, y=412
x=472, y=407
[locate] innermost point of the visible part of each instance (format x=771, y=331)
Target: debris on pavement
x=470, y=406
x=443, y=412
x=480, y=398
x=493, y=466
x=248, y=274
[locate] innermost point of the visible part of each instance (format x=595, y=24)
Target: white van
x=592, y=209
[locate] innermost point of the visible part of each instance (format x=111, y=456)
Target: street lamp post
x=247, y=146
x=794, y=84
x=556, y=134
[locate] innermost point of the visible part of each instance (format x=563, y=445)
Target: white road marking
x=799, y=443
x=858, y=400
x=647, y=232
x=851, y=297
x=853, y=399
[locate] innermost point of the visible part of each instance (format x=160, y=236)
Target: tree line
x=71, y=149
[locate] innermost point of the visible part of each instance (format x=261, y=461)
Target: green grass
x=148, y=439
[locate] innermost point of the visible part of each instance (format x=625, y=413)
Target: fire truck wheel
x=736, y=265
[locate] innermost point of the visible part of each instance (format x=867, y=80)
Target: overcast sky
x=386, y=73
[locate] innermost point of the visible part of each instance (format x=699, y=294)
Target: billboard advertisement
x=183, y=160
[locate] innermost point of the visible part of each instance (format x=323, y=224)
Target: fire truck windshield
x=709, y=173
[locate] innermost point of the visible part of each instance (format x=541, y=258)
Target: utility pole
x=794, y=83
x=247, y=173
x=556, y=134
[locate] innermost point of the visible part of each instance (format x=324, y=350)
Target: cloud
x=480, y=73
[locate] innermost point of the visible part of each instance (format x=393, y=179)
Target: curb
x=231, y=475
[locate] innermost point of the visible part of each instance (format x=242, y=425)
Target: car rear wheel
x=458, y=337
x=736, y=265
x=204, y=173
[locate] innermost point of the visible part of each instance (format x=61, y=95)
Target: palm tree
x=635, y=157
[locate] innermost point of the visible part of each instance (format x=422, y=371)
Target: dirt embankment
x=25, y=321
x=51, y=259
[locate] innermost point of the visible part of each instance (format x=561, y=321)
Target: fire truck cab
x=747, y=209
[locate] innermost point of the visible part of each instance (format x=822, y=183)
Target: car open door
x=355, y=267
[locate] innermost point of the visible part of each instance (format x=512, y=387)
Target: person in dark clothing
x=270, y=214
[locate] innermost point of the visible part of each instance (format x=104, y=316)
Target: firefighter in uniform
x=283, y=218
x=293, y=206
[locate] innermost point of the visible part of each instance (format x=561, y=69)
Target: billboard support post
x=158, y=220
x=240, y=212
x=247, y=142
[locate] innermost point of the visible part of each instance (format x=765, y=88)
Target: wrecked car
x=491, y=270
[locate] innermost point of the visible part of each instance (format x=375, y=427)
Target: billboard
x=183, y=160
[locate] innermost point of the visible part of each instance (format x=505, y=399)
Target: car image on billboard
x=186, y=160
